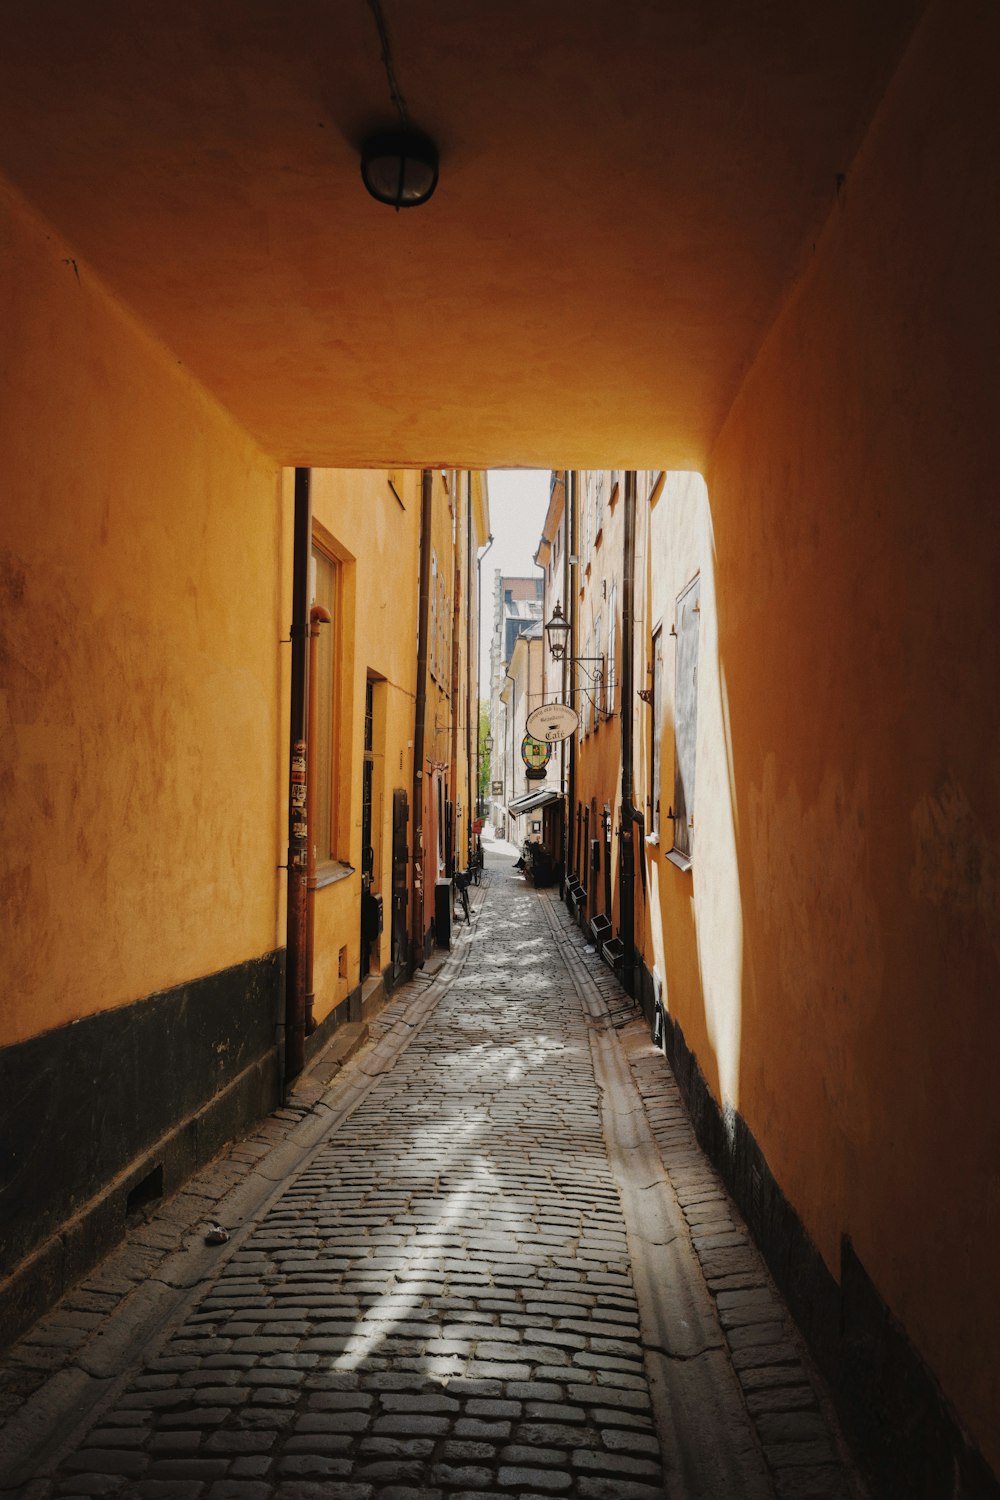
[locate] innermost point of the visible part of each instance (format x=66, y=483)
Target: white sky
x=519, y=499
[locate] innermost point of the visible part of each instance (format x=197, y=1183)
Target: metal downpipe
x=298, y=830
x=419, y=728
x=317, y=616
x=626, y=833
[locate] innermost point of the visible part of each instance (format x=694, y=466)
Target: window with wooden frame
x=595, y=671
x=582, y=702
x=324, y=580
x=655, y=732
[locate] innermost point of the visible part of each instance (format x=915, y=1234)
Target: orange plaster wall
x=441, y=703
x=138, y=655
x=598, y=752
x=853, y=495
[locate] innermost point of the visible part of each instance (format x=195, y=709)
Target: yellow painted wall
x=852, y=492
x=375, y=536
x=138, y=664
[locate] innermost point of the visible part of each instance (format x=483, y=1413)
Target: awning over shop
x=531, y=801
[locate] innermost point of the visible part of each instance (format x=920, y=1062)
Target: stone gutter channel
x=739, y=1412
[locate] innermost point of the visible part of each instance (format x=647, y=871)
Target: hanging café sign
x=552, y=722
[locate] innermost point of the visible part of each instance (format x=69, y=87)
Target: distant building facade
x=517, y=611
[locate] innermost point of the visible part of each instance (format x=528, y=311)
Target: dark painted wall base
x=903, y=1433
x=347, y=1011
x=361, y=1004
x=99, y=1117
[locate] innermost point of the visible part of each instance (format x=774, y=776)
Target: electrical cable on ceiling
x=394, y=89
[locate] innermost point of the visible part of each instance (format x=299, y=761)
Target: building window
x=587, y=495
x=596, y=668
x=685, y=719
x=324, y=591
x=434, y=613
x=654, y=760
x=444, y=624
x=609, y=703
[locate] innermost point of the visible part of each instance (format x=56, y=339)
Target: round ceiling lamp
x=399, y=166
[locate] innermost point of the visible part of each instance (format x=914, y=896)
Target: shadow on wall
x=799, y=1053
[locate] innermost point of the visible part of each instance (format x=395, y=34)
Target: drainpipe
x=423, y=621
x=479, y=655
x=317, y=616
x=298, y=833
x=567, y=859
x=456, y=639
x=471, y=735
x=626, y=833
x=513, y=704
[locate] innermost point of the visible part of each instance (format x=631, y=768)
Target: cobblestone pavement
x=488, y=1259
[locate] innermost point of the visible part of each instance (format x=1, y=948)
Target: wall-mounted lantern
x=557, y=631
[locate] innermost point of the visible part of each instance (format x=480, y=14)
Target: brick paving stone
x=758, y=1355
x=319, y=1442
x=545, y=1481
x=824, y=1482
x=461, y=1450
x=91, y=1484
x=311, y=1465
x=239, y=1489
x=107, y=1461
x=186, y=1443
x=599, y=1488
x=618, y=1441
x=780, y=1398
x=611, y=1417
x=168, y=1489
x=799, y=1455
x=530, y=1454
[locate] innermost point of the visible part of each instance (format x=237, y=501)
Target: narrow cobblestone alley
x=498, y=1264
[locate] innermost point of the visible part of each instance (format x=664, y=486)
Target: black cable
x=394, y=89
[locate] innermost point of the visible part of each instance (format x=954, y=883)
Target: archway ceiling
x=627, y=193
